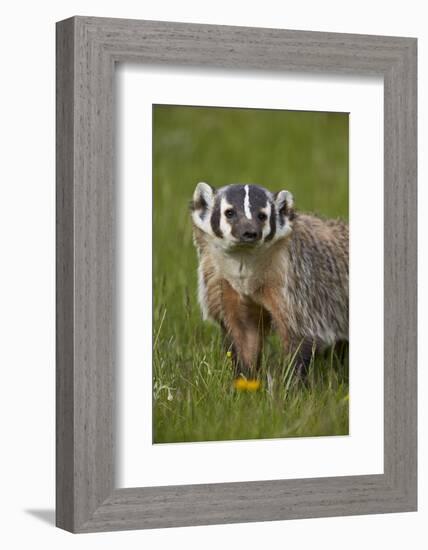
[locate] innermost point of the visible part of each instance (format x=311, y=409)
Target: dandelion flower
x=229, y=354
x=247, y=385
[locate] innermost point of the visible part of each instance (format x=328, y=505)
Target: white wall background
x=27, y=272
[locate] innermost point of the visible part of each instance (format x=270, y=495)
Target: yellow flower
x=247, y=385
x=229, y=354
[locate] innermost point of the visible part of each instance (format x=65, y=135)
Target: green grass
x=193, y=394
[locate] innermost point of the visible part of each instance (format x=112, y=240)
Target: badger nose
x=249, y=236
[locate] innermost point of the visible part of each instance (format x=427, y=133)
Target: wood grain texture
x=87, y=49
x=64, y=277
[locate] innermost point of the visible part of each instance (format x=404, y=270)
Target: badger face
x=242, y=216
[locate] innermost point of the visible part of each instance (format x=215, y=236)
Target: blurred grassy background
x=193, y=396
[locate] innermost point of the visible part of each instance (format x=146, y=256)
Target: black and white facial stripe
x=248, y=199
x=215, y=219
x=242, y=213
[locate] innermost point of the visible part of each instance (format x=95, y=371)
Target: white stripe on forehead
x=247, y=209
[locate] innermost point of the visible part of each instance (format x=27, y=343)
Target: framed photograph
x=242, y=233
x=236, y=274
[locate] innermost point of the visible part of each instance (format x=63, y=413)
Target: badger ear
x=203, y=196
x=283, y=201
x=201, y=206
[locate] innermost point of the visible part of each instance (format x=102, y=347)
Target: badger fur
x=263, y=265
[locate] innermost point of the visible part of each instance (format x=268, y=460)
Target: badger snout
x=248, y=233
x=249, y=236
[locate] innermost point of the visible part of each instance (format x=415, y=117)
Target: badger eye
x=229, y=213
x=262, y=216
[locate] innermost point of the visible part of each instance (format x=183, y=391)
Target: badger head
x=241, y=216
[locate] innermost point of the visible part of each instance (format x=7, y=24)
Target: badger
x=263, y=265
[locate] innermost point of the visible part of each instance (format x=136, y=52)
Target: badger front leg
x=244, y=324
x=302, y=349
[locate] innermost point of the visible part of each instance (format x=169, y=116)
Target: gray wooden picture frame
x=87, y=50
